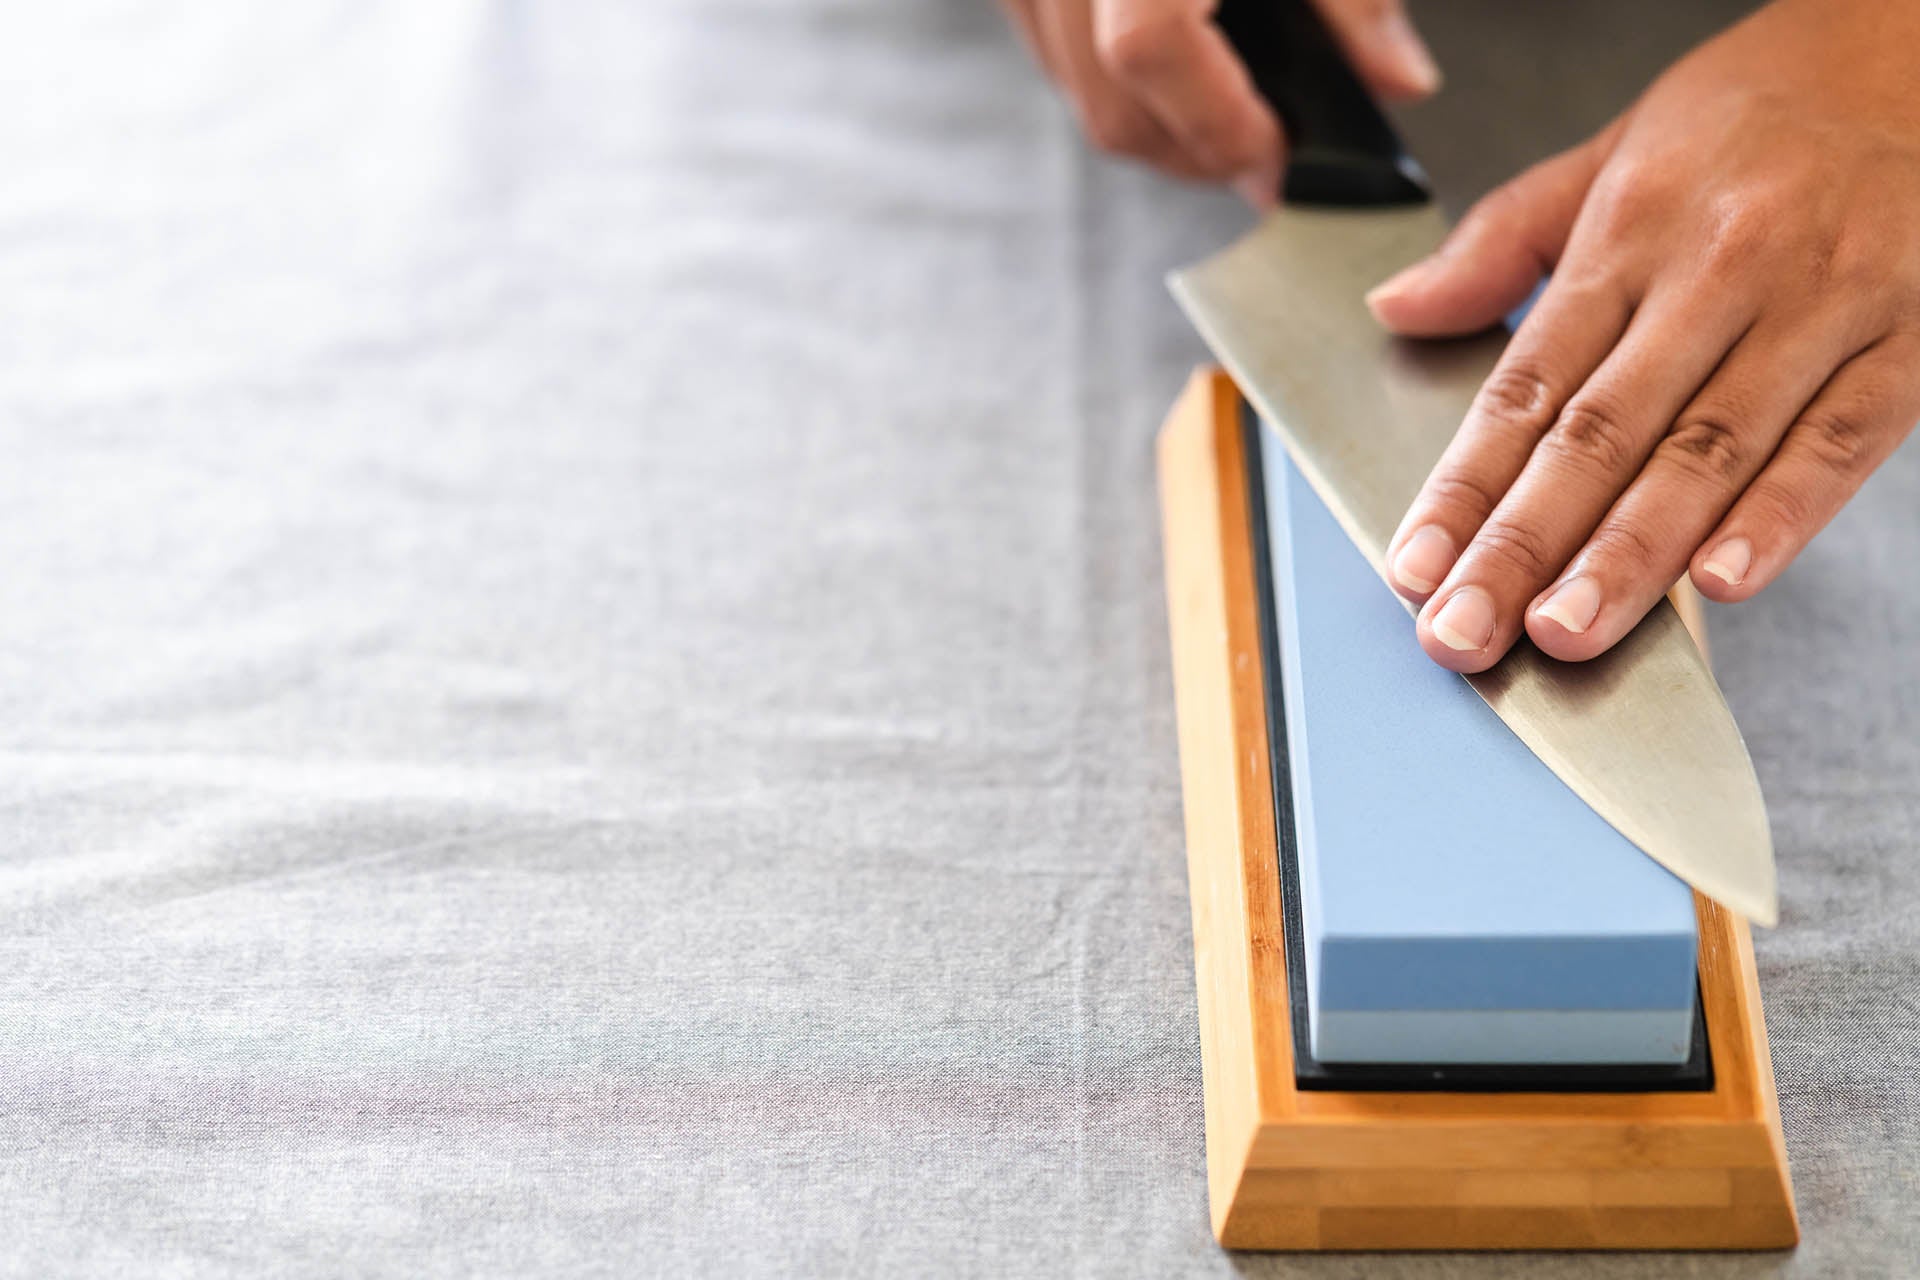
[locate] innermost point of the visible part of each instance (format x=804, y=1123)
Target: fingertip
x=1412, y=595
x=1466, y=662
x=1385, y=302
x=1420, y=561
x=1451, y=293
x=1399, y=82
x=1462, y=633
x=1406, y=89
x=1707, y=585
x=1420, y=73
x=1493, y=260
x=1716, y=588
x=1723, y=570
x=1555, y=638
x=1393, y=59
x=1259, y=188
x=1397, y=302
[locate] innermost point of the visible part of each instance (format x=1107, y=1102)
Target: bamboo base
x=1288, y=1169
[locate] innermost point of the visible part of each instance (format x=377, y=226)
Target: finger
x=1599, y=442
x=1498, y=253
x=1180, y=66
x=1382, y=46
x=1559, y=345
x=1112, y=119
x=1860, y=417
x=1714, y=449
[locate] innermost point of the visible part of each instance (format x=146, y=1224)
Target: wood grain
x=1329, y=1170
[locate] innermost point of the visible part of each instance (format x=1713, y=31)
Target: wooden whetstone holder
x=1293, y=1169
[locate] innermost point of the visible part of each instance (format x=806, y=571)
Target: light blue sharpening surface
x=1442, y=865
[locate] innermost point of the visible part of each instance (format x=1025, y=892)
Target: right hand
x=1156, y=81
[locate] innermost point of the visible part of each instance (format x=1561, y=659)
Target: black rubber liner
x=1694, y=1075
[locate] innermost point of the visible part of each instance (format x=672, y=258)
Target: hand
x=1729, y=344
x=1155, y=80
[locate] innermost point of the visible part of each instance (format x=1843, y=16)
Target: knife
x=1641, y=733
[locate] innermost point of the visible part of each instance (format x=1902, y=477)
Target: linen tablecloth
x=583, y=672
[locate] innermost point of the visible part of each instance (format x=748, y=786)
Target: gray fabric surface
x=584, y=683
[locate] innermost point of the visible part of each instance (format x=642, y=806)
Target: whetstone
x=1290, y=1167
x=1460, y=903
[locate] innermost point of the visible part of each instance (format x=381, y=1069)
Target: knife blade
x=1642, y=733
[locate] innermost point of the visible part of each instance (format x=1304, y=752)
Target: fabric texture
x=584, y=683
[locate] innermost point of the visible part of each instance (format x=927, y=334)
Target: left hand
x=1729, y=345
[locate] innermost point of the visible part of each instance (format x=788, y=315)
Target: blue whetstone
x=1461, y=904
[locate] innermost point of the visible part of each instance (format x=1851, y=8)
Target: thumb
x=1384, y=48
x=1497, y=254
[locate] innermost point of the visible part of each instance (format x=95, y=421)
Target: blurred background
x=583, y=679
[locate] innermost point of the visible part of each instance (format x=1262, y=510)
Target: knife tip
x=1760, y=906
x=1765, y=914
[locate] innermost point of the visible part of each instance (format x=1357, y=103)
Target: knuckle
x=1858, y=265
x=1627, y=194
x=1835, y=437
x=1627, y=544
x=1709, y=446
x=1781, y=506
x=1591, y=435
x=1458, y=492
x=1517, y=548
x=1821, y=264
x=1517, y=393
x=1901, y=314
x=1743, y=229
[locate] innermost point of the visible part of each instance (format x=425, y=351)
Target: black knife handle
x=1340, y=148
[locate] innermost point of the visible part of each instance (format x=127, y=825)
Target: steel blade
x=1641, y=733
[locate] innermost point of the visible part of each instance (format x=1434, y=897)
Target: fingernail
x=1574, y=604
x=1730, y=561
x=1404, y=45
x=1465, y=621
x=1423, y=562
x=1261, y=190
